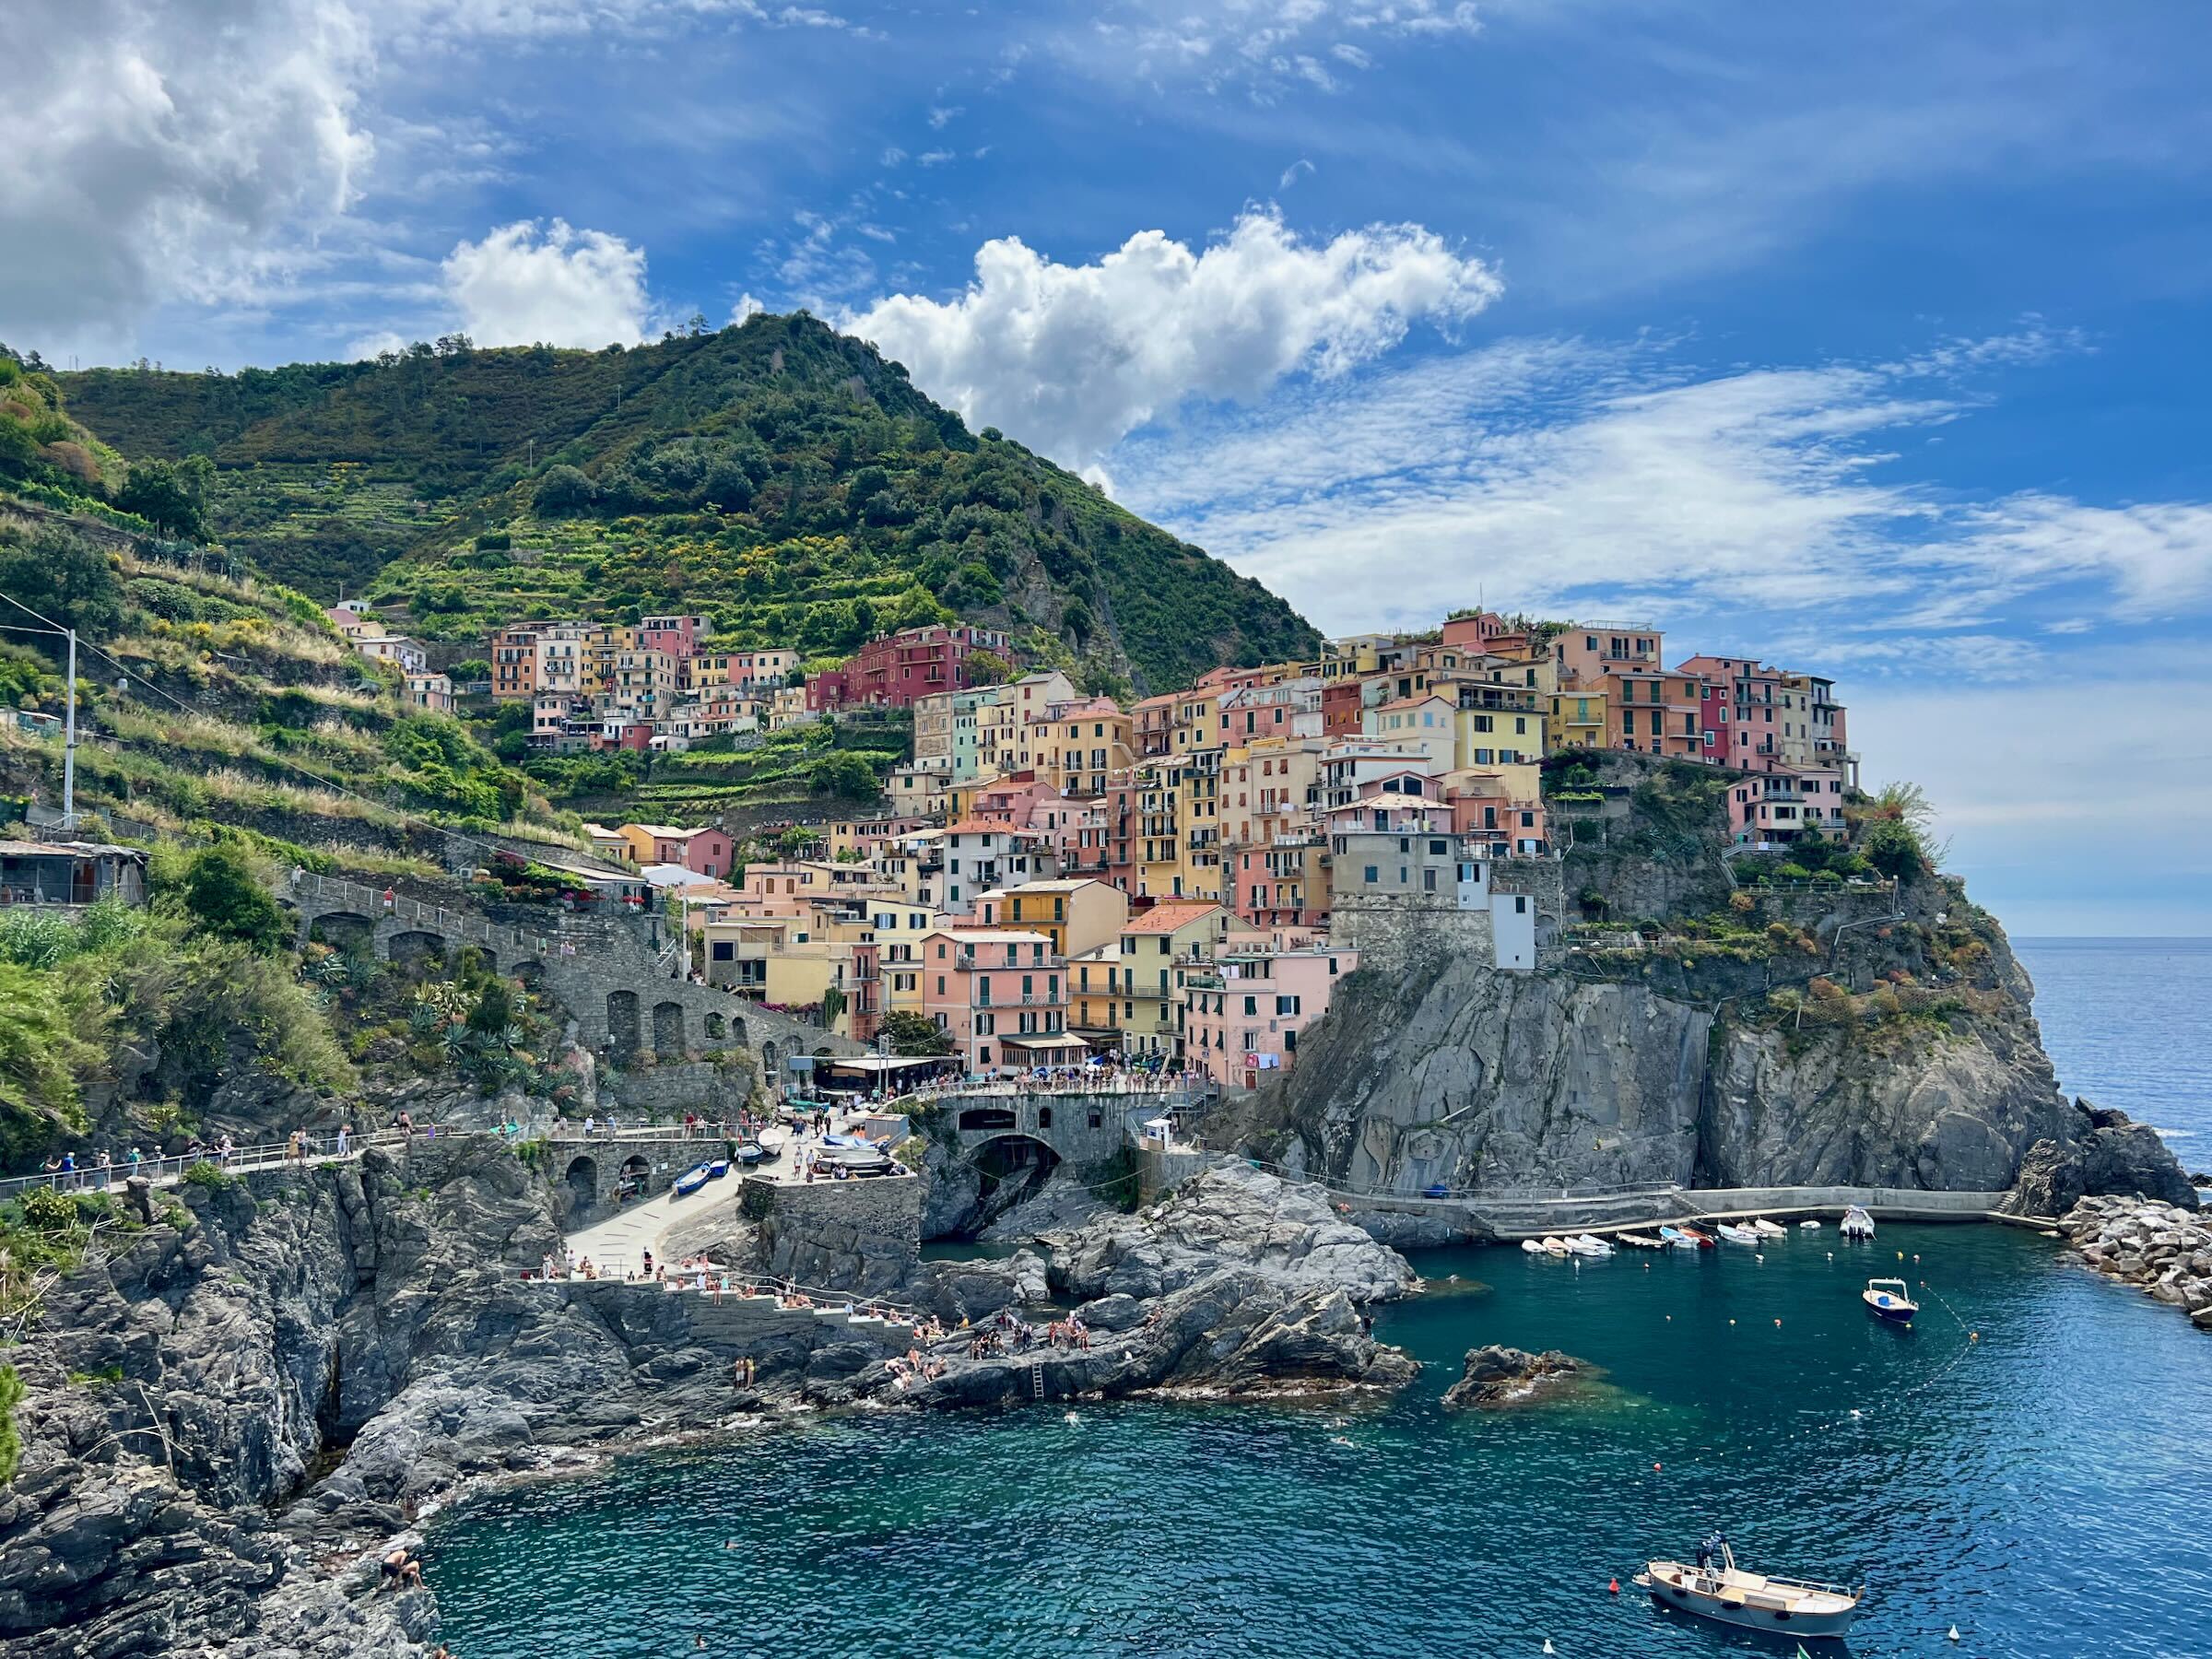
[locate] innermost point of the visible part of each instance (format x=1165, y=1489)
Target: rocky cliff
x=1799, y=1042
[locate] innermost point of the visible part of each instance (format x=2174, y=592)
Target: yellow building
x=1199, y=825
x=1157, y=951
x=1082, y=746
x=1578, y=720
x=1094, y=1003
x=899, y=925
x=1078, y=915
x=1500, y=726
x=1158, y=839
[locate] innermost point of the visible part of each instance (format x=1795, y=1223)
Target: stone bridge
x=1076, y=1126
x=609, y=974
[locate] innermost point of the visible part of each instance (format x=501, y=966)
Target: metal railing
x=168, y=1170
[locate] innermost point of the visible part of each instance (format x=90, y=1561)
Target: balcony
x=1036, y=1000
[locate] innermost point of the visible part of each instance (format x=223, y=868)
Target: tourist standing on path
x=345, y=1134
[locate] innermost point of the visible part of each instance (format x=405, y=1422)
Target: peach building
x=1241, y=1020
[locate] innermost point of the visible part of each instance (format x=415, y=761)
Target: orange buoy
x=1613, y=1588
x=1654, y=1468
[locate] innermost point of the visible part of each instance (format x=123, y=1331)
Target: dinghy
x=1808, y=1227
x=690, y=1181
x=1767, y=1230
x=750, y=1153
x=1856, y=1224
x=1726, y=1592
x=1640, y=1240
x=1555, y=1247
x=1703, y=1240
x=1889, y=1299
x=1590, y=1244
x=1534, y=1246
x=1737, y=1235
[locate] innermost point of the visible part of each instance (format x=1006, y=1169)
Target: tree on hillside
x=845, y=775
x=172, y=496
x=222, y=892
x=915, y=1035
x=61, y=576
x=988, y=668
x=1897, y=835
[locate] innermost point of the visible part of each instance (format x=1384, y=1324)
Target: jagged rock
x=975, y=1290
x=1237, y=1216
x=1503, y=1376
x=2105, y=1152
x=2161, y=1247
x=1062, y=1204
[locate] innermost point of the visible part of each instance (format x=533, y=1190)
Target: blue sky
x=1872, y=340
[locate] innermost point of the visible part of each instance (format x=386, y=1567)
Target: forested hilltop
x=781, y=477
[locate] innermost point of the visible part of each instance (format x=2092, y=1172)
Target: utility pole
x=69, y=744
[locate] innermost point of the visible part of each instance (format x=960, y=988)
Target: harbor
x=1951, y=1468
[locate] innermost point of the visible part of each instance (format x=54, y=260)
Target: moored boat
x=1555, y=1247
x=1737, y=1235
x=1703, y=1240
x=1856, y=1224
x=1767, y=1230
x=1589, y=1244
x=1534, y=1246
x=1640, y=1240
x=1889, y=1299
x=691, y=1180
x=1729, y=1594
x=1809, y=1226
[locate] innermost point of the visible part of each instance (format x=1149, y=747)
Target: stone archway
x=530, y=974
x=712, y=1023
x=771, y=1062
x=582, y=1182
x=1010, y=1168
x=668, y=1029
x=738, y=1032
x=622, y=1024
x=635, y=1178
x=414, y=945
x=344, y=931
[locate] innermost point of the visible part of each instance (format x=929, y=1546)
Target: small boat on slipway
x=691, y=1180
x=1726, y=1593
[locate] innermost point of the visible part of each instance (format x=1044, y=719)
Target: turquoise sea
x=2043, y=1488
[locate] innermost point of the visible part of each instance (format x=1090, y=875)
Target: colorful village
x=1178, y=883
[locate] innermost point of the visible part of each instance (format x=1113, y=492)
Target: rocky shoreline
x=1495, y=1375
x=2163, y=1249
x=232, y=1410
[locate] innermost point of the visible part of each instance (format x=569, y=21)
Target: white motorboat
x=1736, y=1235
x=1555, y=1247
x=1534, y=1246
x=1727, y=1592
x=1808, y=1227
x=1768, y=1229
x=1590, y=1244
x=1640, y=1240
x=1856, y=1224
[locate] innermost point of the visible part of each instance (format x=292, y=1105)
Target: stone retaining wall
x=859, y=1235
x=655, y=1318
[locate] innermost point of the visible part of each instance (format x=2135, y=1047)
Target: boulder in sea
x=1496, y=1375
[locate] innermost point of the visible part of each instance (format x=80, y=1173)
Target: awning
x=1043, y=1040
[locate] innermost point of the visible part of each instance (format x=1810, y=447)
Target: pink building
x=1000, y=995
x=1737, y=711
x=1242, y=1021
x=676, y=636
x=1773, y=809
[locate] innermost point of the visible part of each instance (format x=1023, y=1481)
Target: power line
x=281, y=761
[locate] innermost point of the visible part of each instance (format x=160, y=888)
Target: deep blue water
x=2045, y=1488
x=2128, y=1023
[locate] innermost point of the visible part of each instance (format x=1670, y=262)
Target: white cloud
x=1070, y=358
x=1561, y=475
x=747, y=306
x=523, y=283
x=1292, y=173
x=159, y=151
x=942, y=115
x=1258, y=46
x=373, y=345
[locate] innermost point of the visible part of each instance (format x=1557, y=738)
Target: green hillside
x=779, y=477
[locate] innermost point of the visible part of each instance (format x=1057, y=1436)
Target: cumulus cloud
x=524, y=283
x=1568, y=476
x=1070, y=358
x=157, y=150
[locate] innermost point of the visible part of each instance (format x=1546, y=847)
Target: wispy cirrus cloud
x=1562, y=474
